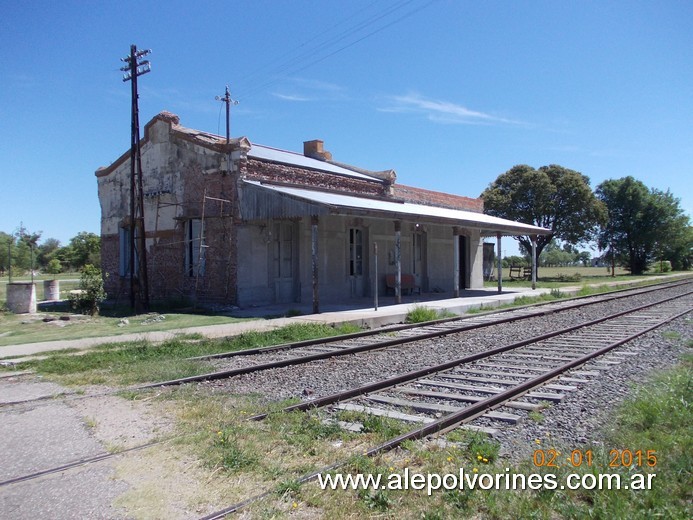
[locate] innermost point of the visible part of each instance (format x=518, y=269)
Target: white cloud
x=304, y=89
x=440, y=111
x=290, y=97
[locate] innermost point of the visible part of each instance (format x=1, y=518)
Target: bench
x=520, y=273
x=408, y=283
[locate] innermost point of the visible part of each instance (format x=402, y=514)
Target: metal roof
x=266, y=153
x=341, y=203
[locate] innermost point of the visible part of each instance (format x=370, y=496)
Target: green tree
x=7, y=247
x=54, y=266
x=85, y=248
x=46, y=251
x=514, y=261
x=679, y=251
x=584, y=258
x=31, y=240
x=644, y=224
x=552, y=197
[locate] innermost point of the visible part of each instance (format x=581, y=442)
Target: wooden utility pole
x=228, y=102
x=135, y=67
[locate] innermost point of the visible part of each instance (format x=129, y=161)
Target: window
x=194, y=248
x=124, y=250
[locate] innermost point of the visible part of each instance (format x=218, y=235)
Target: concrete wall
x=256, y=283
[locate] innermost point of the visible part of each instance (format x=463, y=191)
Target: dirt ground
x=155, y=482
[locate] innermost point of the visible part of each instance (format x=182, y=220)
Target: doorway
x=283, y=267
x=355, y=262
x=462, y=255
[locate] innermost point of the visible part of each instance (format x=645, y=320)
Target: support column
x=314, y=262
x=456, y=262
x=375, y=278
x=500, y=262
x=398, y=261
x=533, y=238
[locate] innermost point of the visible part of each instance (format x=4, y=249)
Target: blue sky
x=449, y=93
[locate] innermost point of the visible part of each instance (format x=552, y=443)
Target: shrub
x=661, y=267
x=575, y=277
x=91, y=292
x=420, y=314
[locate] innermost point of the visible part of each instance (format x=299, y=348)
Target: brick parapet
x=285, y=174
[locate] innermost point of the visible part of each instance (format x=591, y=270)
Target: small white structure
x=21, y=297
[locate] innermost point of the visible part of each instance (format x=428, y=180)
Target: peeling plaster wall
x=177, y=174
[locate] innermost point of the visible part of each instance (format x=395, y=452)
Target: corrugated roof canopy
x=337, y=203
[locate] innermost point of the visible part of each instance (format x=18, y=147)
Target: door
x=463, y=261
x=355, y=262
x=419, y=260
x=284, y=262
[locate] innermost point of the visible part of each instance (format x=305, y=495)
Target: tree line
x=22, y=251
x=632, y=225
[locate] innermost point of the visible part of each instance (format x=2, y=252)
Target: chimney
x=314, y=150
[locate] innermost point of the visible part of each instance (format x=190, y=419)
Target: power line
x=290, y=66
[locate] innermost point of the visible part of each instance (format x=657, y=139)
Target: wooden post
x=500, y=262
x=398, y=261
x=534, y=261
x=456, y=262
x=375, y=278
x=314, y=262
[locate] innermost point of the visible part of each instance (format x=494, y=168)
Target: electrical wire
x=298, y=63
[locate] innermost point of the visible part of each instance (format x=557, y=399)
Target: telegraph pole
x=135, y=67
x=228, y=101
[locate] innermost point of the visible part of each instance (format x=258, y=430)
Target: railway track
x=495, y=384
x=515, y=376
x=402, y=336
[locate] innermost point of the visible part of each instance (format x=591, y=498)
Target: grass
x=142, y=361
x=548, y=277
x=18, y=329
x=556, y=293
x=271, y=454
x=421, y=313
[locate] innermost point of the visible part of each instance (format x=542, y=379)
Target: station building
x=247, y=224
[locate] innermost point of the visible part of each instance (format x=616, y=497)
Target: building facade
x=248, y=224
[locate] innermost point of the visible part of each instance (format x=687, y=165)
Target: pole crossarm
x=135, y=67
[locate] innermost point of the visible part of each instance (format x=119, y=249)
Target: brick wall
x=281, y=173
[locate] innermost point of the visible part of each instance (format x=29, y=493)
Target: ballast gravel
x=585, y=416
x=577, y=420
x=324, y=377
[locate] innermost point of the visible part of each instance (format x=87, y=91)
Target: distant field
x=597, y=272
x=561, y=276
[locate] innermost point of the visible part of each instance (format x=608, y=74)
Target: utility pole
x=228, y=101
x=135, y=67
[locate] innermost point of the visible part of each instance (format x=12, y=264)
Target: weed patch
x=142, y=361
x=421, y=313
